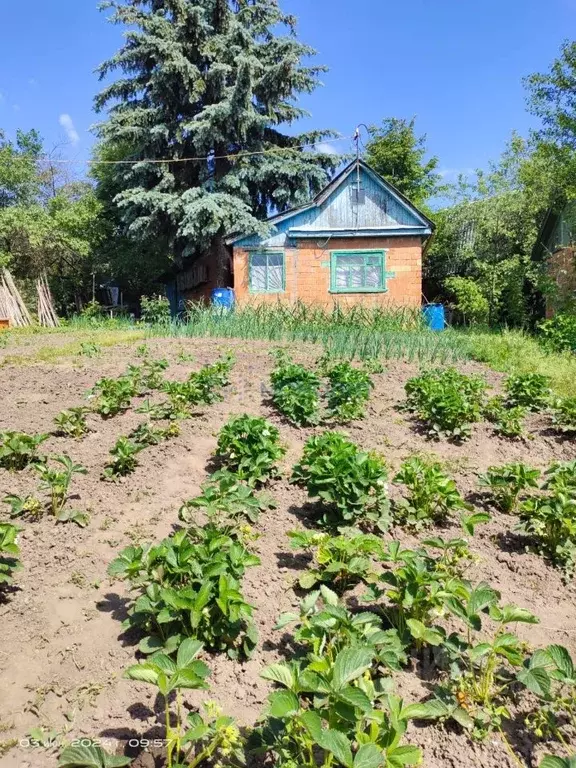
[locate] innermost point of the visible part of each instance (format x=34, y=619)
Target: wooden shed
x=359, y=241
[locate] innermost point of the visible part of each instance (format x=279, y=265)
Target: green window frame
x=267, y=272
x=358, y=271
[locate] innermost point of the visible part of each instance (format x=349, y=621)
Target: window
x=358, y=271
x=266, y=272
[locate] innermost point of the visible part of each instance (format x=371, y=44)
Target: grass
x=53, y=353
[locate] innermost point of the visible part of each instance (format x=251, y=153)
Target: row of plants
x=448, y=403
x=298, y=394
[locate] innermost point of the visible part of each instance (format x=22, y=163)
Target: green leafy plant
x=528, y=390
x=508, y=421
x=351, y=484
x=18, y=450
x=446, y=401
x=433, y=496
x=24, y=506
x=9, y=553
x=90, y=349
x=348, y=391
x=124, y=459
x=250, y=447
x=155, y=310
x=551, y=522
x=226, y=501
x=90, y=754
x=549, y=673
x=56, y=483
x=196, y=740
x=564, y=415
x=295, y=391
x=189, y=586
x=113, y=396
x=146, y=434
x=340, y=561
x=507, y=482
x=561, y=476
x=72, y=422
x=175, y=409
x=559, y=332
x=551, y=761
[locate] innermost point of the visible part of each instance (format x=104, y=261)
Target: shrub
x=507, y=482
x=432, y=495
x=348, y=392
x=249, y=446
x=155, y=310
x=528, y=390
x=189, y=586
x=9, y=553
x=351, y=484
x=18, y=450
x=470, y=302
x=559, y=332
x=447, y=401
x=295, y=391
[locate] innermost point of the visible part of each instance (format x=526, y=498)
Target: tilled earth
x=62, y=650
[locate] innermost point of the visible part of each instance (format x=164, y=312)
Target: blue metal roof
x=384, y=211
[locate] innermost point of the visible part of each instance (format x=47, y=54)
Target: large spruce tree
x=216, y=79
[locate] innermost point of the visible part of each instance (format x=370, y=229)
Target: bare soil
x=62, y=650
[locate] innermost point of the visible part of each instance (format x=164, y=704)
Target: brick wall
x=308, y=273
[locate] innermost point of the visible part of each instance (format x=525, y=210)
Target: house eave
x=363, y=232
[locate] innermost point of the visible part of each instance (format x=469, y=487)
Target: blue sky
x=457, y=65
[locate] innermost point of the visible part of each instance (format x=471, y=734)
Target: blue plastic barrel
x=223, y=298
x=435, y=317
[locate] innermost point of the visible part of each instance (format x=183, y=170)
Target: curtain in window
x=267, y=272
x=275, y=272
x=358, y=271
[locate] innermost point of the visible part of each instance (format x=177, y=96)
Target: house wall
x=562, y=272
x=308, y=273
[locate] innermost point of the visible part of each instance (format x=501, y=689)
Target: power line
x=237, y=156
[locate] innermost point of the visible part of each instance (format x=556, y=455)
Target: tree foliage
x=399, y=155
x=216, y=79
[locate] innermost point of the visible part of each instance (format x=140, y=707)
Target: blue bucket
x=223, y=298
x=434, y=316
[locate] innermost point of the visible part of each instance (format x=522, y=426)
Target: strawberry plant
x=564, y=415
x=24, y=506
x=189, y=586
x=340, y=561
x=446, y=401
x=124, y=459
x=432, y=495
x=550, y=674
x=351, y=484
x=551, y=522
x=9, y=553
x=56, y=482
x=507, y=482
x=561, y=476
x=113, y=396
x=18, y=450
x=507, y=421
x=348, y=392
x=146, y=434
x=295, y=391
x=528, y=390
x=551, y=761
x=150, y=374
x=226, y=501
x=197, y=740
x=249, y=447
x=211, y=378
x=72, y=422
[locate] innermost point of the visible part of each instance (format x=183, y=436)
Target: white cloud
x=325, y=148
x=69, y=129
x=32, y=82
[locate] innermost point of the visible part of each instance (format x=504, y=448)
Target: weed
x=72, y=422
x=528, y=390
x=18, y=450
x=188, y=586
x=432, y=495
x=348, y=392
x=250, y=447
x=296, y=391
x=340, y=561
x=507, y=482
x=351, y=484
x=9, y=553
x=124, y=459
x=448, y=402
x=90, y=349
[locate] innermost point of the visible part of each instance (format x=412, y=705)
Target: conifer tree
x=215, y=79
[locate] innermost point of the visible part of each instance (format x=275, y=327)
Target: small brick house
x=360, y=241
